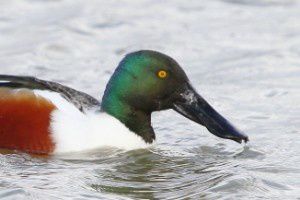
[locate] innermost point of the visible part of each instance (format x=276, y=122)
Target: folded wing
x=81, y=100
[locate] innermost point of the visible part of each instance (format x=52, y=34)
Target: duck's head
x=148, y=81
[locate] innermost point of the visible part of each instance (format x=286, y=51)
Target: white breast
x=74, y=131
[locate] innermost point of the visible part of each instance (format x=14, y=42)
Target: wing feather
x=81, y=100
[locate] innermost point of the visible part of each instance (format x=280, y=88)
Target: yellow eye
x=162, y=74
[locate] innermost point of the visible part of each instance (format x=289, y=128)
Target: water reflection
x=145, y=174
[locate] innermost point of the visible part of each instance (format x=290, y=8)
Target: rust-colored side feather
x=25, y=121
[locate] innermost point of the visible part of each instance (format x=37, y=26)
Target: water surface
x=243, y=56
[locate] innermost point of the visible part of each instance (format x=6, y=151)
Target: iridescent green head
x=147, y=81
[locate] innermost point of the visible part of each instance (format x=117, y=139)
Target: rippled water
x=243, y=56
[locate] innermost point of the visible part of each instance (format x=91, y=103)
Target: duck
x=46, y=117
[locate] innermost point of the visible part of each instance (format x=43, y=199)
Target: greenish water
x=243, y=56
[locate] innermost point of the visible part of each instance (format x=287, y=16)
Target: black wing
x=81, y=100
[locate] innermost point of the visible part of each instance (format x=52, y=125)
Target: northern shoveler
x=44, y=117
